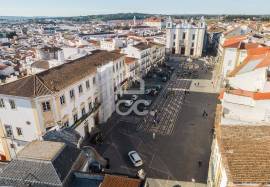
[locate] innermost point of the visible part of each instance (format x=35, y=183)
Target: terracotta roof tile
x=244, y=93
x=129, y=60
x=120, y=181
x=262, y=55
x=234, y=42
x=245, y=151
x=58, y=78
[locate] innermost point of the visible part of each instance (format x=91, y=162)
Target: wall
x=250, y=81
x=229, y=61
x=217, y=176
x=23, y=117
x=107, y=95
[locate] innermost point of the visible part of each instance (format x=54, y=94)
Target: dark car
x=154, y=92
x=164, y=79
x=95, y=167
x=158, y=87
x=172, y=68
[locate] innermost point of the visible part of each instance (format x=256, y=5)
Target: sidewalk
x=208, y=86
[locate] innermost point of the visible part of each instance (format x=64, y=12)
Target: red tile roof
x=120, y=181
x=234, y=42
x=154, y=19
x=129, y=60
x=260, y=53
x=244, y=93
x=245, y=153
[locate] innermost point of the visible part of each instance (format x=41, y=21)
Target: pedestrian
x=212, y=84
x=204, y=113
x=154, y=122
x=200, y=163
x=212, y=131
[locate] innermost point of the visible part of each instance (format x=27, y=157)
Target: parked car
x=148, y=103
x=95, y=167
x=144, y=106
x=172, y=68
x=147, y=91
x=164, y=79
x=134, y=97
x=128, y=103
x=153, y=92
x=158, y=70
x=135, y=158
x=158, y=87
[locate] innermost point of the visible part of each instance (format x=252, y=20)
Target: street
x=175, y=143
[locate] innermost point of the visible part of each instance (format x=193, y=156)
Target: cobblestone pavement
x=167, y=108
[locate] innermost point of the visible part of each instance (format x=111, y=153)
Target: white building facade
x=64, y=96
x=186, y=38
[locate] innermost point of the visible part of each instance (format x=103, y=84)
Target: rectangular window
x=46, y=106
x=94, y=80
x=2, y=104
x=19, y=131
x=62, y=100
x=8, y=129
x=184, y=36
x=80, y=89
x=12, y=104
x=192, y=44
x=83, y=111
x=193, y=37
x=191, y=51
x=71, y=94
x=75, y=118
x=174, y=36
x=87, y=84
x=66, y=124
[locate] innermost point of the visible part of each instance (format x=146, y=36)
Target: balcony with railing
x=85, y=116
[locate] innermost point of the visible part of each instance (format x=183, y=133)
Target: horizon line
x=185, y=14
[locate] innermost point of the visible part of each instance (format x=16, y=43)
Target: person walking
x=200, y=163
x=204, y=113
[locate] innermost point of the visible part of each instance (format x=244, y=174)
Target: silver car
x=135, y=158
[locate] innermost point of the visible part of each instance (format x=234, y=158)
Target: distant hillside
x=108, y=17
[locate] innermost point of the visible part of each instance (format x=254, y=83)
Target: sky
x=89, y=7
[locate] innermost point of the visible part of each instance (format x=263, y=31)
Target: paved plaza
x=172, y=142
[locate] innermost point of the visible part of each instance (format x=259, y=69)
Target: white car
x=148, y=103
x=135, y=158
x=128, y=103
x=147, y=91
x=134, y=97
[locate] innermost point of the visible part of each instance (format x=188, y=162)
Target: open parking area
x=174, y=138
